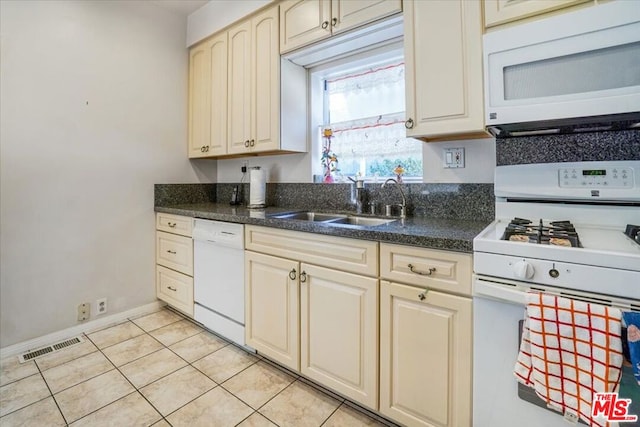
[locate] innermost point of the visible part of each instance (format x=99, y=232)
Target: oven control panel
x=615, y=177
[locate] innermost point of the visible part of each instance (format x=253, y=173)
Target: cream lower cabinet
x=174, y=261
x=425, y=356
x=443, y=66
x=272, y=318
x=339, y=332
x=305, y=313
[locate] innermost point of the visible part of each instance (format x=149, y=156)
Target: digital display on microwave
x=594, y=172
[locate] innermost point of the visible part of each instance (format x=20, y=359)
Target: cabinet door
x=199, y=100
x=339, y=333
x=498, y=12
x=425, y=356
x=348, y=14
x=239, y=88
x=271, y=307
x=218, y=84
x=443, y=65
x=303, y=22
x=265, y=80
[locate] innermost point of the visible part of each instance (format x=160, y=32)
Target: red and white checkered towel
x=570, y=350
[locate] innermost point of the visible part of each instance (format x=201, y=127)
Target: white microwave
x=572, y=69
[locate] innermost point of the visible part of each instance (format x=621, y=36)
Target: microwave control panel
x=616, y=177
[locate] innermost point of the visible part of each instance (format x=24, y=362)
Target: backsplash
x=473, y=202
x=595, y=146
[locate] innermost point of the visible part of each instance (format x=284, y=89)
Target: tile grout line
x=52, y=395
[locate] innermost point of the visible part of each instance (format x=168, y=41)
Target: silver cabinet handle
x=252, y=142
x=171, y=252
x=409, y=124
x=292, y=274
x=171, y=289
x=422, y=273
x=325, y=24
x=246, y=143
x=423, y=295
x=303, y=276
x=171, y=224
x=334, y=21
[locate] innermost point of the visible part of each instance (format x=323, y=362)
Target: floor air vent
x=49, y=349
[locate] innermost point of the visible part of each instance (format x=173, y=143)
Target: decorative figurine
x=399, y=171
x=329, y=159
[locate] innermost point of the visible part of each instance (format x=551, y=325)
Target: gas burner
x=555, y=233
x=633, y=231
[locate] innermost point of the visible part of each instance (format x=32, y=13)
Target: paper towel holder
x=257, y=189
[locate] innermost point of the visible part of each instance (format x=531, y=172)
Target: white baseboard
x=92, y=325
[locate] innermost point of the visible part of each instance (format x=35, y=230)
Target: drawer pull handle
x=246, y=143
x=423, y=295
x=171, y=224
x=292, y=274
x=422, y=273
x=171, y=289
x=171, y=252
x=325, y=24
x=334, y=21
x=252, y=142
x=303, y=276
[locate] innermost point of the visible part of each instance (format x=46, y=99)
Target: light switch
x=453, y=158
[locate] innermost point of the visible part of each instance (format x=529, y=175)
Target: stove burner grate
x=554, y=233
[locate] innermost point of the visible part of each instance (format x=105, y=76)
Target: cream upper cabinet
x=199, y=100
x=254, y=85
x=272, y=307
x=308, y=21
x=208, y=98
x=443, y=66
x=425, y=356
x=498, y=12
x=339, y=332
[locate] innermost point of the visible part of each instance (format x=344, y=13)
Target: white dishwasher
x=218, y=273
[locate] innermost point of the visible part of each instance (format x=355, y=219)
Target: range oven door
x=498, y=310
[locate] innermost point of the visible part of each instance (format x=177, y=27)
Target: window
x=363, y=105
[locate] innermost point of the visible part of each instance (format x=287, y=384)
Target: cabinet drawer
x=175, y=288
x=429, y=268
x=340, y=253
x=174, y=252
x=175, y=224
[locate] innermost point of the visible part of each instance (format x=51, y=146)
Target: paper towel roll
x=258, y=188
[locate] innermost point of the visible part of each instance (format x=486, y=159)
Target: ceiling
x=181, y=7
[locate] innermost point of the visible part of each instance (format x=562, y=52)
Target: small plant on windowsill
x=329, y=159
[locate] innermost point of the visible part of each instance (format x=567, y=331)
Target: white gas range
x=560, y=229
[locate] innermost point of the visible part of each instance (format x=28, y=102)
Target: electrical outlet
x=453, y=158
x=84, y=311
x=101, y=306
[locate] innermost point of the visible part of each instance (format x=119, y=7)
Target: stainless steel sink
x=336, y=219
x=364, y=221
x=309, y=216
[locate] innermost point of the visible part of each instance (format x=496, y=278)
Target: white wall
x=216, y=15
x=93, y=113
x=480, y=162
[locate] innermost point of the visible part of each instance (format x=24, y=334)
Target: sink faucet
x=359, y=182
x=403, y=206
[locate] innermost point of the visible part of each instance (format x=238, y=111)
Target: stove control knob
x=554, y=273
x=523, y=270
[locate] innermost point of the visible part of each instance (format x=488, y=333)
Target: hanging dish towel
x=632, y=321
x=570, y=350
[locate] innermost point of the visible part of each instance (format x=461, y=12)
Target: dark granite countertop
x=436, y=233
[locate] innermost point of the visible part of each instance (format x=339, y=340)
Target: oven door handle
x=501, y=292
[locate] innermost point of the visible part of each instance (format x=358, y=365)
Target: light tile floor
x=163, y=370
